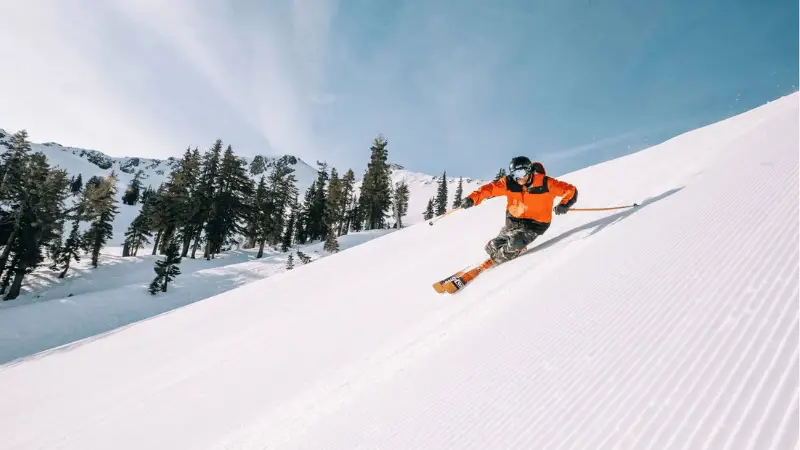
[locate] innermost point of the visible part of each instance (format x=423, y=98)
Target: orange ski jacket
x=531, y=204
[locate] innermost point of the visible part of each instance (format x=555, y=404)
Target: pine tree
x=428, y=215
x=13, y=190
x=146, y=194
x=286, y=242
x=290, y=262
x=316, y=225
x=206, y=190
x=305, y=259
x=260, y=226
x=500, y=174
x=375, y=196
x=459, y=193
x=157, y=215
x=331, y=242
x=14, y=162
x=94, y=181
x=39, y=213
x=355, y=217
x=101, y=209
x=131, y=196
x=346, y=201
x=301, y=221
x=282, y=183
x=167, y=269
x=333, y=213
x=138, y=232
x=190, y=168
x=52, y=212
x=69, y=250
x=176, y=204
x=440, y=203
x=400, y=204
x=76, y=185
x=230, y=206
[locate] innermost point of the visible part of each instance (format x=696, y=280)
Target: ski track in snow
x=672, y=325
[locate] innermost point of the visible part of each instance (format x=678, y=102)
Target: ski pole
x=448, y=212
x=604, y=209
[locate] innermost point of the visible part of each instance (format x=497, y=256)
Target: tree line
x=438, y=205
x=207, y=204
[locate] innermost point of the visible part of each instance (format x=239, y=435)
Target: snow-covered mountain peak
x=152, y=172
x=153, y=166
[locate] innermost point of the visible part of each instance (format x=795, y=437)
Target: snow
x=672, y=325
x=92, y=301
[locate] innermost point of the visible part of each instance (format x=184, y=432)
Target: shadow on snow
x=600, y=224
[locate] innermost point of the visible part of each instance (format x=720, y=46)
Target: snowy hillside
x=55, y=312
x=672, y=325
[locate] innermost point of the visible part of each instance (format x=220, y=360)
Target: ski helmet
x=519, y=167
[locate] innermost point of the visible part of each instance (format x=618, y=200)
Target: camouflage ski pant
x=513, y=237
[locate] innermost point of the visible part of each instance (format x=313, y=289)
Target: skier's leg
x=519, y=240
x=495, y=245
x=509, y=242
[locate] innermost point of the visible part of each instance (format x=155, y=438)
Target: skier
x=530, y=194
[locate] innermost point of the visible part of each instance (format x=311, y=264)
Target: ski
x=439, y=285
x=460, y=279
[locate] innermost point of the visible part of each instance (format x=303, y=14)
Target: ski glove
x=467, y=203
x=561, y=209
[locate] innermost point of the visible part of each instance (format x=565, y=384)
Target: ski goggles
x=520, y=172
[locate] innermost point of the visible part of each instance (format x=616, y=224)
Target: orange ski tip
x=450, y=287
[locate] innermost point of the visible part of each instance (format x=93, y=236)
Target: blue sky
x=461, y=86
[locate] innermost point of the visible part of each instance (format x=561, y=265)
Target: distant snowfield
x=674, y=325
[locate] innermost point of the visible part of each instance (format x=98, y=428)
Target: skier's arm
x=567, y=192
x=488, y=190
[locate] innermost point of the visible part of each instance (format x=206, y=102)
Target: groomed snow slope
x=674, y=325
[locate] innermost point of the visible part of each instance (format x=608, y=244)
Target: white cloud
x=267, y=73
x=110, y=75
x=55, y=81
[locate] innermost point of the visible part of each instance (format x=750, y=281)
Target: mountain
x=671, y=325
x=153, y=172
